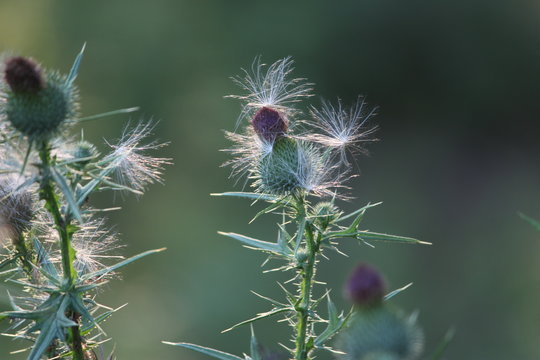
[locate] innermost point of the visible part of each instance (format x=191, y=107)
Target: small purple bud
x=23, y=75
x=269, y=124
x=365, y=286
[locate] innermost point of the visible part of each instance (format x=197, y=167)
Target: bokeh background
x=457, y=83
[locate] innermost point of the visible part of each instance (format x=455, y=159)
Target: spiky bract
x=365, y=286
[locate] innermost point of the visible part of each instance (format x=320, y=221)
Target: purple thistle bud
x=269, y=124
x=365, y=286
x=23, y=75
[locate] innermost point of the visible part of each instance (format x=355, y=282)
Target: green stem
x=24, y=256
x=65, y=233
x=307, y=272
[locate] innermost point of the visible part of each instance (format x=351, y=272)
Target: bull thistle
x=57, y=248
x=298, y=167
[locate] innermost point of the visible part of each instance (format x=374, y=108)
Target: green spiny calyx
x=36, y=105
x=83, y=153
x=324, y=213
x=278, y=170
x=381, y=333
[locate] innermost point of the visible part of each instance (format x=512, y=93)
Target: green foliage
x=59, y=255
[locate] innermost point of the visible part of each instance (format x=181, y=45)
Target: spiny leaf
x=257, y=244
x=75, y=67
x=248, y=195
x=7, y=262
x=68, y=194
x=361, y=210
x=43, y=259
x=207, y=351
x=397, y=291
x=266, y=210
x=109, y=113
x=259, y=317
x=335, y=324
x=368, y=235
x=254, y=346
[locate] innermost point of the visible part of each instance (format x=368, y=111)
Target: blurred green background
x=457, y=83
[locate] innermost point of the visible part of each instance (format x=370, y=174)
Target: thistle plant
x=298, y=163
x=57, y=247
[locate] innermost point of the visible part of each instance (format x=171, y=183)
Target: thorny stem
x=24, y=255
x=306, y=272
x=65, y=231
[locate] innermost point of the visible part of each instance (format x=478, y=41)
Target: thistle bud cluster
x=376, y=330
x=55, y=245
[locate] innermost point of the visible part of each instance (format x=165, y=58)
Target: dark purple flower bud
x=23, y=75
x=365, y=286
x=269, y=124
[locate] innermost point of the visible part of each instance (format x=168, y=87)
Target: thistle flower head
x=342, y=128
x=269, y=124
x=280, y=161
x=365, y=286
x=129, y=164
x=271, y=88
x=23, y=75
x=37, y=104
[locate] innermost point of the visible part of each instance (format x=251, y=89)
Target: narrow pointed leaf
x=355, y=213
x=207, y=351
x=75, y=67
x=300, y=233
x=46, y=335
x=43, y=258
x=266, y=210
x=254, y=347
x=259, y=317
x=108, y=113
x=368, y=235
x=7, y=262
x=248, y=195
x=397, y=291
x=254, y=243
x=534, y=223
x=68, y=194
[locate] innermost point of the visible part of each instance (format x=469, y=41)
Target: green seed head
x=37, y=106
